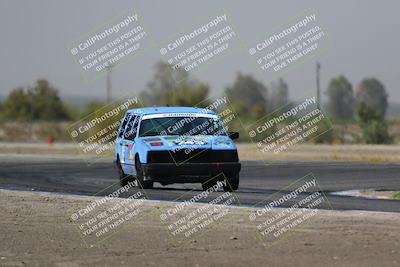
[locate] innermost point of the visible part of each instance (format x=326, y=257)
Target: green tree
x=341, y=98
x=247, y=93
x=373, y=124
x=280, y=94
x=91, y=107
x=174, y=88
x=46, y=104
x=373, y=94
x=17, y=106
x=38, y=103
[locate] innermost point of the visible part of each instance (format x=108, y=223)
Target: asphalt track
x=258, y=181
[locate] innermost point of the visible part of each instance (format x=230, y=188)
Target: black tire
x=232, y=182
x=208, y=184
x=123, y=178
x=140, y=177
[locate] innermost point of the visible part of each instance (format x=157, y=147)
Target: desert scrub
x=396, y=195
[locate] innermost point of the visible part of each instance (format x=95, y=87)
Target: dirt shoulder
x=36, y=230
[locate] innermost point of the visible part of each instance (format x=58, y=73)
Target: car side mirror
x=233, y=135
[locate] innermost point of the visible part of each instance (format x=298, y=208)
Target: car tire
x=140, y=177
x=232, y=182
x=208, y=184
x=123, y=178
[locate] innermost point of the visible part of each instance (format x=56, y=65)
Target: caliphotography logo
x=95, y=134
x=110, y=45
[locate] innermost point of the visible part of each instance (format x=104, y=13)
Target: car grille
x=192, y=156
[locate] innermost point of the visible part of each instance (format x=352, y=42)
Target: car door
x=128, y=144
x=120, y=135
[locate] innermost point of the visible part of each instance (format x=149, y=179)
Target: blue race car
x=176, y=145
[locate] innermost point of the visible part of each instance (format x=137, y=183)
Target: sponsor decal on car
x=130, y=157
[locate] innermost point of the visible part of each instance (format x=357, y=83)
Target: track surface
x=258, y=181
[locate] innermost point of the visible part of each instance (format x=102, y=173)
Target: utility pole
x=318, y=88
x=109, y=71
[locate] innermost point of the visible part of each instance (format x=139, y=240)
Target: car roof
x=161, y=110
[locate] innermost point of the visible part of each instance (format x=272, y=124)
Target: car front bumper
x=189, y=172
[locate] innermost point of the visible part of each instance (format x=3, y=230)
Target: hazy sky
x=35, y=36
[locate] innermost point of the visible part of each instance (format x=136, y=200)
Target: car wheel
x=208, y=184
x=140, y=177
x=232, y=182
x=123, y=178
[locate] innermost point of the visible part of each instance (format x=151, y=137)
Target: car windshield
x=181, y=126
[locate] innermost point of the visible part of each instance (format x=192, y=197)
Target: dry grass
x=396, y=195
